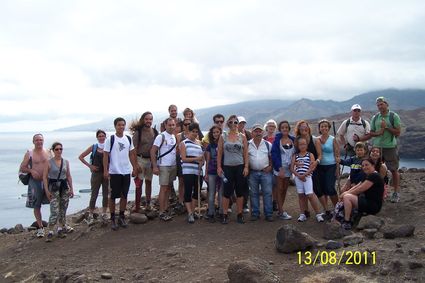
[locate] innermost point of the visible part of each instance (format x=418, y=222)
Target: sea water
x=12, y=149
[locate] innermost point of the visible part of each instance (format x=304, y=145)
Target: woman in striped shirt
x=192, y=158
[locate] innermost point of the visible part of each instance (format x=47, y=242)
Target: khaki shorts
x=167, y=174
x=145, y=164
x=391, y=158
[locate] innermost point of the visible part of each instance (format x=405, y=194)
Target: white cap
x=356, y=106
x=241, y=119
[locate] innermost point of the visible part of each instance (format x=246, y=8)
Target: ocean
x=12, y=149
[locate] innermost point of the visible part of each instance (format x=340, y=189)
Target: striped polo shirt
x=192, y=150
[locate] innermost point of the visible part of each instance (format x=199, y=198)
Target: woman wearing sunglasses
x=282, y=150
x=58, y=187
x=232, y=161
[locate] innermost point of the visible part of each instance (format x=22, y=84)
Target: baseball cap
x=356, y=106
x=241, y=119
x=381, y=99
x=257, y=126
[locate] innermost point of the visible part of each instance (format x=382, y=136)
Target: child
x=356, y=173
x=301, y=167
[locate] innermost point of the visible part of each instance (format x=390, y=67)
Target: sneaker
x=122, y=222
x=319, y=217
x=61, y=233
x=269, y=218
x=68, y=229
x=254, y=217
x=191, y=218
x=165, y=217
x=327, y=215
x=246, y=210
x=40, y=233
x=211, y=218
x=395, y=197
x=114, y=225
x=225, y=219
x=285, y=216
x=240, y=219
x=49, y=237
x=302, y=218
x=346, y=225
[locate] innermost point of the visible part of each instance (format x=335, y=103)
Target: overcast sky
x=71, y=62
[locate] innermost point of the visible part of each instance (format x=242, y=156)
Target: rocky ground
x=211, y=252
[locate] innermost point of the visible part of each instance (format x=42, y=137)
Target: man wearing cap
x=260, y=174
x=353, y=130
x=385, y=128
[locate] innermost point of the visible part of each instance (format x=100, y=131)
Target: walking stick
x=338, y=172
x=199, y=194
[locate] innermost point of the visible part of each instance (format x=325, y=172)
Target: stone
x=352, y=240
x=35, y=225
x=415, y=264
x=289, y=239
x=370, y=222
x=423, y=249
x=152, y=214
x=78, y=218
x=138, y=218
x=106, y=275
x=333, y=231
x=370, y=233
x=19, y=228
x=11, y=231
x=398, y=231
x=385, y=271
x=250, y=271
x=333, y=245
x=396, y=265
x=3, y=230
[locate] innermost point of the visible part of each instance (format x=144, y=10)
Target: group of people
x=238, y=163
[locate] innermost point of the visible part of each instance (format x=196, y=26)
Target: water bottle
x=225, y=180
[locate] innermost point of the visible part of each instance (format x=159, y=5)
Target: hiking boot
x=114, y=225
x=346, y=225
x=285, y=216
x=68, y=229
x=225, y=219
x=302, y=218
x=40, y=233
x=164, y=217
x=269, y=218
x=61, y=233
x=191, y=218
x=211, y=218
x=395, y=197
x=254, y=218
x=122, y=222
x=49, y=237
x=327, y=215
x=240, y=219
x=319, y=217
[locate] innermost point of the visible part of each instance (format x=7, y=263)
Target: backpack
x=391, y=113
x=348, y=124
x=93, y=152
x=113, y=140
x=25, y=177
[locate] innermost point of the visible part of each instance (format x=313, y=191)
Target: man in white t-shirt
x=163, y=158
x=353, y=130
x=119, y=161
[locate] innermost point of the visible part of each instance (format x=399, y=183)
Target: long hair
x=297, y=127
x=210, y=134
x=138, y=125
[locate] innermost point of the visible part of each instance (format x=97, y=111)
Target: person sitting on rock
x=366, y=196
x=380, y=167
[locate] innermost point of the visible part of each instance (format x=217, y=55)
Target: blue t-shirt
x=212, y=164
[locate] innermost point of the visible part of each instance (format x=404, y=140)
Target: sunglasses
x=58, y=149
x=219, y=122
x=303, y=128
x=233, y=122
x=186, y=124
x=287, y=146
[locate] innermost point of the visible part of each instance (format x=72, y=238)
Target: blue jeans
x=255, y=179
x=214, y=184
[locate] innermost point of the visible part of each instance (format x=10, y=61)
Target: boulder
x=106, y=275
x=35, y=225
x=370, y=222
x=415, y=264
x=352, y=240
x=253, y=270
x=3, y=230
x=152, y=214
x=333, y=245
x=289, y=239
x=19, y=228
x=333, y=231
x=370, y=233
x=138, y=218
x=398, y=231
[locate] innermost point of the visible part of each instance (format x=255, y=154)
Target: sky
x=64, y=63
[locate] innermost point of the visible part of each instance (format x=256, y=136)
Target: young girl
x=302, y=168
x=214, y=181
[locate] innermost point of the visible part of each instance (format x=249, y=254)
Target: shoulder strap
x=112, y=143
x=363, y=123
x=347, y=124
x=374, y=121
x=392, y=118
x=60, y=170
x=268, y=146
x=93, y=152
x=129, y=140
x=30, y=159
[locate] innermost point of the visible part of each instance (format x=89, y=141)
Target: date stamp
x=343, y=257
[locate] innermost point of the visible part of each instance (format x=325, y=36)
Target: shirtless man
x=39, y=157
